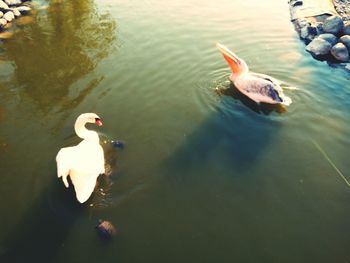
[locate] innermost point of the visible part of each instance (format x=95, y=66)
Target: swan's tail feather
x=63, y=160
x=84, y=184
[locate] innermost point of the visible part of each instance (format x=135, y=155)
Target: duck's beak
x=232, y=59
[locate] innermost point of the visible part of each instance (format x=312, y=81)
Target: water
x=203, y=177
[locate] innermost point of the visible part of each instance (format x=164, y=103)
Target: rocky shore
x=9, y=11
x=324, y=26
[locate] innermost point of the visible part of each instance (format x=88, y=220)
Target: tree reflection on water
x=63, y=45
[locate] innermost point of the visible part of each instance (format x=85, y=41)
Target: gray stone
x=319, y=27
x=318, y=47
x=3, y=5
x=332, y=39
x=302, y=23
x=346, y=29
x=3, y=22
x=9, y=16
x=345, y=40
x=24, y=9
x=308, y=33
x=340, y=52
x=333, y=24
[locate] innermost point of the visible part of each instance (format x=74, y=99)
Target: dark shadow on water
x=232, y=138
x=41, y=233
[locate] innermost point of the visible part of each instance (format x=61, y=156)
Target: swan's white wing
x=83, y=163
x=84, y=184
x=89, y=164
x=64, y=160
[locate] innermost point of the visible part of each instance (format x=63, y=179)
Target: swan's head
x=90, y=118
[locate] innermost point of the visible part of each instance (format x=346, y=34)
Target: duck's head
x=237, y=65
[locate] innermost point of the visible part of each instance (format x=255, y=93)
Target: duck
x=258, y=87
x=84, y=162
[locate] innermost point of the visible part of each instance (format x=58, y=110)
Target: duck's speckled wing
x=259, y=89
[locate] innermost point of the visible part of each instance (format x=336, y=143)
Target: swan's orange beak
x=232, y=59
x=98, y=122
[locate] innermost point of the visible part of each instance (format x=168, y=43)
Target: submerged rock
x=330, y=38
x=345, y=40
x=340, y=52
x=333, y=24
x=319, y=47
x=106, y=229
x=6, y=35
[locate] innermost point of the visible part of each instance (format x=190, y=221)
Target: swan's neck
x=84, y=133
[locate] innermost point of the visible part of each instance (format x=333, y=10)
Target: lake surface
x=204, y=177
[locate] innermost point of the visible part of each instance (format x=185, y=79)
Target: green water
x=204, y=177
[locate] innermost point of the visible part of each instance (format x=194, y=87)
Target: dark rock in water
x=330, y=38
x=296, y=3
x=319, y=47
x=118, y=144
x=346, y=29
x=340, y=52
x=346, y=41
x=333, y=24
x=105, y=229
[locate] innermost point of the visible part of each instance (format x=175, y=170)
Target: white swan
x=83, y=162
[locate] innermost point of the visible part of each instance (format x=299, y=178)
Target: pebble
x=1, y=14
